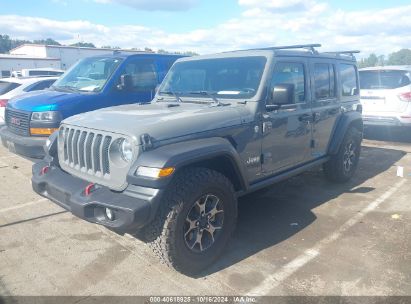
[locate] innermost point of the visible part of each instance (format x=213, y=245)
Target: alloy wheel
x=204, y=223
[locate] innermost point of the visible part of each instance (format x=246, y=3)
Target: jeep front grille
x=85, y=153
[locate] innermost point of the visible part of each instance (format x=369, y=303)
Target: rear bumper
x=386, y=120
x=132, y=208
x=23, y=145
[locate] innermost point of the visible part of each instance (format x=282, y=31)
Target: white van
x=37, y=72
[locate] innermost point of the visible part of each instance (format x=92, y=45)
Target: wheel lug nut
x=197, y=223
x=208, y=226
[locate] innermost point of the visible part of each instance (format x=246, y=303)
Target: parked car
x=37, y=72
x=386, y=95
x=221, y=126
x=12, y=87
x=92, y=83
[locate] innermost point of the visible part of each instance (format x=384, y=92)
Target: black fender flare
x=345, y=121
x=181, y=154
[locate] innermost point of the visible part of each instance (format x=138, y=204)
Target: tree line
x=7, y=44
x=402, y=57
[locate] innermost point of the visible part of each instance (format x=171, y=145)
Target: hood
x=47, y=100
x=161, y=120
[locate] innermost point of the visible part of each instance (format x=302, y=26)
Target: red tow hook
x=89, y=188
x=44, y=170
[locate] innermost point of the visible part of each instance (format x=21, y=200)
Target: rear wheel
x=341, y=166
x=196, y=219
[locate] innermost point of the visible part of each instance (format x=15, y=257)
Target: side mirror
x=126, y=82
x=282, y=94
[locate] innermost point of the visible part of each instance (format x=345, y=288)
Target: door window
x=143, y=74
x=349, y=81
x=324, y=80
x=290, y=73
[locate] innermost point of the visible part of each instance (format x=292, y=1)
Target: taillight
x=3, y=103
x=405, y=96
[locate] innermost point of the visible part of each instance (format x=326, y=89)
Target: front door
x=287, y=130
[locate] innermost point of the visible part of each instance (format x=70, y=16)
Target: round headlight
x=126, y=150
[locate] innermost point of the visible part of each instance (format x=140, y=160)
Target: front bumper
x=133, y=208
x=23, y=145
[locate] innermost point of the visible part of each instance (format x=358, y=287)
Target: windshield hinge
x=146, y=142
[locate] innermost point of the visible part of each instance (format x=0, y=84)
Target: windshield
x=6, y=86
x=237, y=77
x=88, y=75
x=383, y=79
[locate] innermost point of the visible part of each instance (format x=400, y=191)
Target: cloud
x=278, y=6
x=380, y=31
x=155, y=5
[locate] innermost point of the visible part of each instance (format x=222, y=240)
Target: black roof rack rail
x=310, y=47
x=348, y=53
x=296, y=46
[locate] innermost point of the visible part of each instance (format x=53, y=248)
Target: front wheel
x=195, y=220
x=341, y=166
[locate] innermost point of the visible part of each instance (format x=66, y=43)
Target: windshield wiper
x=209, y=94
x=176, y=95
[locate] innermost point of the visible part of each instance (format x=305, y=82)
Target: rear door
x=324, y=102
x=382, y=90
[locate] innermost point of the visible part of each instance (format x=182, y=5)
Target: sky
x=208, y=26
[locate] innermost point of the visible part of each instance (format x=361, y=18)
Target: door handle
x=305, y=118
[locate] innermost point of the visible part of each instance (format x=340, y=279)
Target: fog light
x=109, y=214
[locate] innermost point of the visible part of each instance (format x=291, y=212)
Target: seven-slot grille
x=86, y=151
x=18, y=122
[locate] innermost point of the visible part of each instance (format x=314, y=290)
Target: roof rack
x=348, y=53
x=310, y=47
x=297, y=46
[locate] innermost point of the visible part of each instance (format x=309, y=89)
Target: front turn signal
x=42, y=131
x=154, y=172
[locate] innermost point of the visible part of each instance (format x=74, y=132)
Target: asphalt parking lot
x=304, y=236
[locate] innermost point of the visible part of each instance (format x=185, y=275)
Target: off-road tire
x=334, y=169
x=165, y=234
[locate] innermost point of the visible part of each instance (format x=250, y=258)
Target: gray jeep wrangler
x=221, y=126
